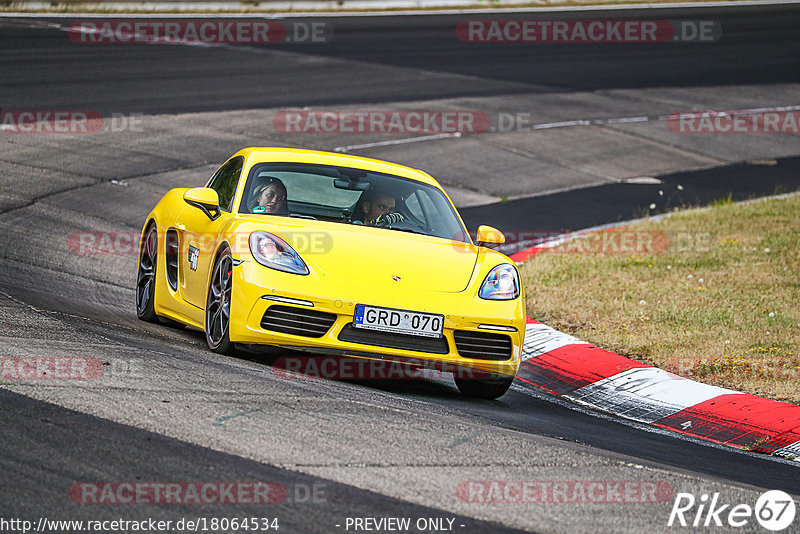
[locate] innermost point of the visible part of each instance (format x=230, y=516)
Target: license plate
x=398, y=321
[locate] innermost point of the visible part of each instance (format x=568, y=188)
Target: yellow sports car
x=337, y=254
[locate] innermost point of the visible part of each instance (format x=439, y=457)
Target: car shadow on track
x=384, y=376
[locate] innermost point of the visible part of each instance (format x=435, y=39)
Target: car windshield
x=350, y=196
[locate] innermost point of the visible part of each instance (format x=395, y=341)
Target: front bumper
x=257, y=289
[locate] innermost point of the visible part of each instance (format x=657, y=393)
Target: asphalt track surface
x=758, y=45
x=608, y=204
x=155, y=424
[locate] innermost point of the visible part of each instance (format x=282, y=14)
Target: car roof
x=255, y=155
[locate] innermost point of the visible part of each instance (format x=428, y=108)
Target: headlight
x=502, y=283
x=273, y=252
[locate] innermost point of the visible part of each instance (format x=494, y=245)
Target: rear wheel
x=146, y=277
x=492, y=387
x=218, y=305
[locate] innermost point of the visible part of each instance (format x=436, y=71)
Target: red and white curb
x=564, y=365
x=588, y=375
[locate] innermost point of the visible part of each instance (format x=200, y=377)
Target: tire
x=146, y=276
x=492, y=387
x=218, y=305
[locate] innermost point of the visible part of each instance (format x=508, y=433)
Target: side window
x=225, y=180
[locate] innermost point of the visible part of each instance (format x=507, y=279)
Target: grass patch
x=708, y=294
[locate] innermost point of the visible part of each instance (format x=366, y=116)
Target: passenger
x=371, y=205
x=269, y=196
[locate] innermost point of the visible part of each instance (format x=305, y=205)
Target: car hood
x=376, y=257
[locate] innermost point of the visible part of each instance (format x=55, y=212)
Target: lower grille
x=297, y=321
x=393, y=341
x=482, y=345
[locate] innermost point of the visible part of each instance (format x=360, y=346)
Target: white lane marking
x=643, y=180
x=576, y=122
x=588, y=122
x=653, y=118
x=627, y=119
x=646, y=394
x=548, y=125
x=541, y=339
x=397, y=141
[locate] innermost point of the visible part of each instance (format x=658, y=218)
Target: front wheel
x=146, y=276
x=218, y=305
x=492, y=387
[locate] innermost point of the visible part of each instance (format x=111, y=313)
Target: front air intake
x=393, y=341
x=297, y=321
x=482, y=345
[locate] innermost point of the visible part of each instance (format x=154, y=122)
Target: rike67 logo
x=774, y=510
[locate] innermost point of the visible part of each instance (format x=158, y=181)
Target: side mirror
x=205, y=199
x=488, y=235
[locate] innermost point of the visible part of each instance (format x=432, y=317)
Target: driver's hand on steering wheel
x=388, y=219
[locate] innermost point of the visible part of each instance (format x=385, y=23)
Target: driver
x=375, y=204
